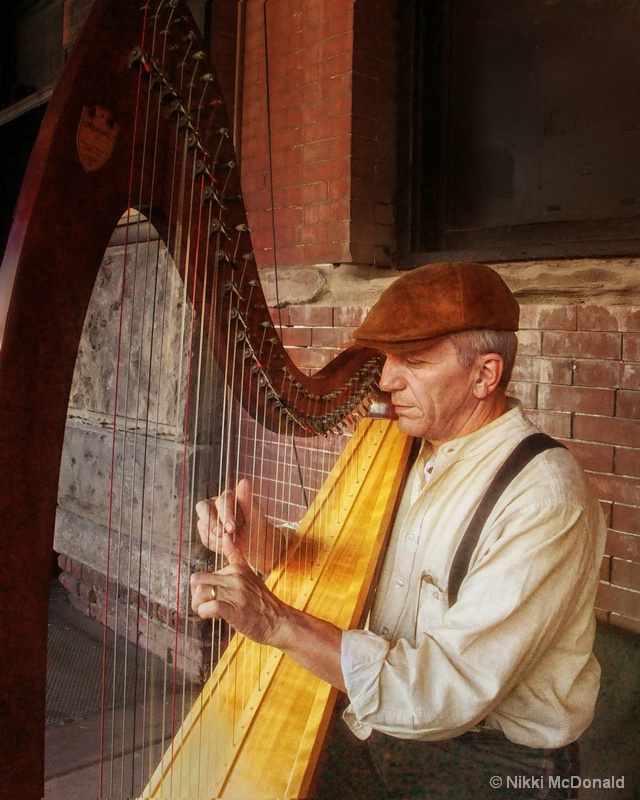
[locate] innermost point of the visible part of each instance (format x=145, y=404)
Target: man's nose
x=389, y=377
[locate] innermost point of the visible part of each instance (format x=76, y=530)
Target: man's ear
x=489, y=369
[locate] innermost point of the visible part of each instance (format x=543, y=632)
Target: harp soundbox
x=137, y=127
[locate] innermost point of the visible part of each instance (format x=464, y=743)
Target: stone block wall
x=134, y=459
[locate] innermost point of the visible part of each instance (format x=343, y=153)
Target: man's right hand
x=237, y=513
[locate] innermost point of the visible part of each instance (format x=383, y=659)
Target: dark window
x=522, y=134
x=31, y=54
x=16, y=140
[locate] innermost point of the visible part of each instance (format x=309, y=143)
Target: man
x=453, y=695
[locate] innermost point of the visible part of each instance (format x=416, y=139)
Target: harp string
x=110, y=505
x=137, y=429
x=281, y=470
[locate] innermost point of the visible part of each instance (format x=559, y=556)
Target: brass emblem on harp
x=96, y=137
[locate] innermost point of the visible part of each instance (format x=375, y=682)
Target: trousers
x=481, y=765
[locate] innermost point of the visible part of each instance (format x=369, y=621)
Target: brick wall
x=578, y=376
x=325, y=108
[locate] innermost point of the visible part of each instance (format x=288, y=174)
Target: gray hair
x=471, y=344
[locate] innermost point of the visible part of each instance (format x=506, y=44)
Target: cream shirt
x=515, y=649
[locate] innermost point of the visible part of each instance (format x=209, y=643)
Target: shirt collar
x=511, y=423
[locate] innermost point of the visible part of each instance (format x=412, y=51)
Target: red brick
x=605, y=569
x=279, y=316
x=382, y=256
x=310, y=358
x=332, y=337
x=529, y=343
x=543, y=317
x=625, y=573
x=323, y=233
x=327, y=233
x=555, y=423
x=70, y=583
x=288, y=197
x=626, y=519
x=612, y=430
x=327, y=170
x=366, y=151
x=631, y=347
x=296, y=337
x=596, y=318
x=87, y=593
x=325, y=150
x=581, y=344
x=576, y=398
x=611, y=318
x=363, y=209
x=349, y=317
x=339, y=188
x=311, y=316
x=384, y=213
x=627, y=461
x=335, y=254
x=618, y=600
x=338, y=65
x=326, y=213
x=617, y=488
x=526, y=393
x=630, y=376
x=337, y=44
x=600, y=615
x=623, y=545
x=598, y=373
x=333, y=128
x=593, y=457
x=98, y=580
x=607, y=510
x=601, y=602
x=341, y=19
x=542, y=370
x=317, y=192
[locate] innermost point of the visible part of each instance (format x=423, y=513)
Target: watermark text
x=555, y=782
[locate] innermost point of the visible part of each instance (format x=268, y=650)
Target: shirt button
x=357, y=724
x=385, y=631
x=436, y=595
x=409, y=537
x=400, y=583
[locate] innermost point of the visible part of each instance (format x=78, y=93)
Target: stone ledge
x=554, y=282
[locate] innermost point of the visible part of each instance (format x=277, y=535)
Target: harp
x=137, y=126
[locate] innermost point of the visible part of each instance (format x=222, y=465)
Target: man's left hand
x=237, y=595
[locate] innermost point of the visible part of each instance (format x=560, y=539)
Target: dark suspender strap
x=520, y=456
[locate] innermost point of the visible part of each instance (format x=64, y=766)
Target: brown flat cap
x=435, y=300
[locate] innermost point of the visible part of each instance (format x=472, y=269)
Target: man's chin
x=408, y=426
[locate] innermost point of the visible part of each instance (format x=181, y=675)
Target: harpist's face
x=435, y=396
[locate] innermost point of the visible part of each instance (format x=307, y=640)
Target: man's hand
x=237, y=595
x=238, y=514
